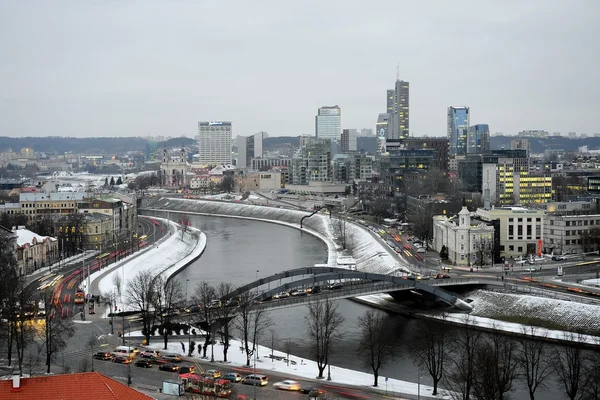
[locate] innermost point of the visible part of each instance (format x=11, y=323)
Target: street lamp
x=88, y=278
x=188, y=319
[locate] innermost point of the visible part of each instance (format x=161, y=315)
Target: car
x=233, y=377
x=316, y=394
x=121, y=360
x=169, y=367
x=187, y=369
x=215, y=304
x=215, y=373
x=299, y=292
x=421, y=250
x=144, y=363
x=558, y=258
x=287, y=385
x=173, y=357
x=442, y=276
x=150, y=354
x=316, y=289
x=102, y=355
x=256, y=380
x=336, y=285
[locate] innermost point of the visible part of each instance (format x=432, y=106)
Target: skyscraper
x=478, y=139
x=214, y=142
x=458, y=127
x=249, y=147
x=328, y=123
x=398, y=108
x=349, y=140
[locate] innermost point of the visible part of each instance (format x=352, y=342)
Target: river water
x=237, y=249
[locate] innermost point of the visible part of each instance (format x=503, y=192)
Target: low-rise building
x=262, y=181
x=34, y=251
x=570, y=234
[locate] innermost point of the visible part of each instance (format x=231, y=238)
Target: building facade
x=478, y=139
x=328, y=123
x=521, y=144
x=458, y=127
x=174, y=170
x=398, y=109
x=250, y=147
x=349, y=139
x=34, y=251
x=214, y=142
x=570, y=234
x=264, y=164
x=440, y=145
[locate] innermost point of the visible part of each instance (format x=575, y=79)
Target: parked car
x=421, y=250
x=169, y=367
x=215, y=373
x=187, y=369
x=558, y=258
x=256, y=380
x=102, y=355
x=233, y=377
x=121, y=359
x=144, y=363
x=172, y=357
x=288, y=384
x=299, y=292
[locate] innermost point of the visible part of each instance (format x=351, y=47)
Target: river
x=237, y=249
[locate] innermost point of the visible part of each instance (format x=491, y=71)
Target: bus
x=206, y=385
x=79, y=297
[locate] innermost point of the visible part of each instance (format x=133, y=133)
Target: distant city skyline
x=104, y=69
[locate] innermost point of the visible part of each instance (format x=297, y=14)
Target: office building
x=398, y=108
x=366, y=132
x=569, y=234
x=478, y=139
x=349, y=137
x=458, y=127
x=249, y=147
x=214, y=142
x=312, y=163
x=328, y=123
x=521, y=144
x=440, y=145
x=382, y=127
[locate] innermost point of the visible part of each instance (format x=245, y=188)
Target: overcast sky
x=137, y=68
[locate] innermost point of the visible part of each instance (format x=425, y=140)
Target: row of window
x=46, y=205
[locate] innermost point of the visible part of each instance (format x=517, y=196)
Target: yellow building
x=522, y=187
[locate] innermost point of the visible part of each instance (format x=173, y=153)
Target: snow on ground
x=305, y=369
x=166, y=258
x=591, y=282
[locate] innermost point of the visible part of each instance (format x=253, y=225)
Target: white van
x=125, y=351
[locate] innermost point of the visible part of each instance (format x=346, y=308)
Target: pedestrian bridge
x=355, y=284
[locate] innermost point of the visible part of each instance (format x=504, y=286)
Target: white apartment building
x=566, y=234
x=214, y=142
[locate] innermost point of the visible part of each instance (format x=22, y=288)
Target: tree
x=496, y=366
x=106, y=182
x=324, y=323
x=112, y=181
x=273, y=339
x=533, y=359
x=21, y=330
x=168, y=293
x=422, y=219
x=460, y=378
x=288, y=346
x=56, y=329
x=444, y=253
x=225, y=315
x=377, y=343
x=434, y=181
x=592, y=236
x=139, y=293
x=340, y=228
x=117, y=282
x=569, y=366
x=484, y=250
x=119, y=181
x=251, y=322
x=204, y=295
x=430, y=350
x=227, y=184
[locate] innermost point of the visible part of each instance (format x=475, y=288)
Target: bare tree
x=534, y=360
x=288, y=346
x=569, y=366
x=430, y=348
x=460, y=378
x=496, y=366
x=140, y=293
x=252, y=322
x=204, y=295
x=56, y=329
x=117, y=282
x=340, y=228
x=591, y=388
x=484, y=250
x=168, y=293
x=22, y=331
x=376, y=343
x=226, y=314
x=324, y=323
x=273, y=339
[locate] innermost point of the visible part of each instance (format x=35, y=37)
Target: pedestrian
x=182, y=347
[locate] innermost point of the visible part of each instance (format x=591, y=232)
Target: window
x=568, y=223
x=96, y=229
x=502, y=248
x=520, y=230
x=511, y=229
x=529, y=231
x=520, y=249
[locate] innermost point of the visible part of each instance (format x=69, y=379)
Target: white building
x=521, y=229
x=566, y=234
x=214, y=142
x=462, y=238
x=174, y=170
x=328, y=123
x=249, y=147
x=34, y=251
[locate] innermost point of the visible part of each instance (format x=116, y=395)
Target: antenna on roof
x=398, y=71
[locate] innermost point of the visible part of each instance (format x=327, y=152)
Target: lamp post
x=188, y=318
x=254, y=371
x=419, y=384
x=128, y=354
x=82, y=277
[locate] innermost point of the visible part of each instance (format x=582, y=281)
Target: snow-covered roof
x=55, y=196
x=25, y=236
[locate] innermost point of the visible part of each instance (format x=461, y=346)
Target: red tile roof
x=87, y=385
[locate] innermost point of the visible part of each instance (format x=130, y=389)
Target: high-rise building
x=520, y=144
x=249, y=147
x=398, y=108
x=478, y=139
x=366, y=132
x=382, y=127
x=312, y=163
x=458, y=127
x=328, y=123
x=440, y=145
x=349, y=137
x=214, y=142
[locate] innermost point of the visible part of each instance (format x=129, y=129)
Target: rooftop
x=25, y=236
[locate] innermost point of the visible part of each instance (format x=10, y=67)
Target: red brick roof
x=87, y=385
